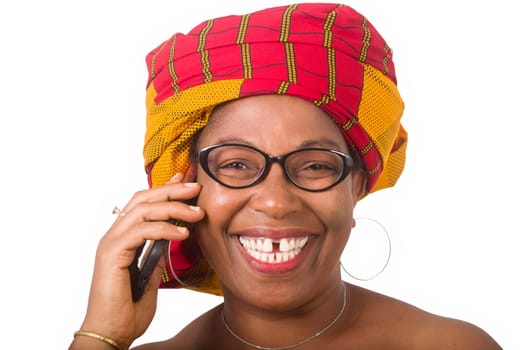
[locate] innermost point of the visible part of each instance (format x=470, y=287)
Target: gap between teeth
x=262, y=248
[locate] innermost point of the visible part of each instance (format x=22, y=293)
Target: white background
x=72, y=86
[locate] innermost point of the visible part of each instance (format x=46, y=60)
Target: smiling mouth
x=273, y=251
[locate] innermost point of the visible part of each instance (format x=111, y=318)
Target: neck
x=261, y=327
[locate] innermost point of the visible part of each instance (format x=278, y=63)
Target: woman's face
x=272, y=241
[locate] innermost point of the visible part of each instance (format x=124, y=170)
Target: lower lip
x=274, y=268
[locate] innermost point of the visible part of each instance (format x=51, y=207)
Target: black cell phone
x=140, y=275
x=141, y=272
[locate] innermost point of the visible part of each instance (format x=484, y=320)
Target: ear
x=359, y=182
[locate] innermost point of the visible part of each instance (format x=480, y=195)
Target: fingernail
x=177, y=177
x=190, y=184
x=181, y=229
x=194, y=208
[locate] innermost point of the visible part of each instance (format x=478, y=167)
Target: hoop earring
x=355, y=255
x=173, y=272
x=198, y=273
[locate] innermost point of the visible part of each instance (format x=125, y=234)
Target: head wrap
x=327, y=54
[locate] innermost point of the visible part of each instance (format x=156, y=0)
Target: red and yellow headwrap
x=327, y=54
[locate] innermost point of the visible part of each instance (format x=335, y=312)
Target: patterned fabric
x=327, y=54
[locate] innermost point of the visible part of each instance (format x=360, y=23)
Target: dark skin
x=374, y=321
x=272, y=308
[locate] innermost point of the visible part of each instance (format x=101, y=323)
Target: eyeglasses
x=241, y=166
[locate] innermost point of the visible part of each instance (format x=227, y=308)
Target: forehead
x=272, y=122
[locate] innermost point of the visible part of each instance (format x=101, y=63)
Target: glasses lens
x=235, y=166
x=314, y=169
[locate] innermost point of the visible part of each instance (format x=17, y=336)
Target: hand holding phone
x=140, y=276
x=141, y=272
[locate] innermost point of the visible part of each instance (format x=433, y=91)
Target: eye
x=240, y=169
x=317, y=166
x=316, y=169
x=233, y=165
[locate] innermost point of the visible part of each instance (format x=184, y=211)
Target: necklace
x=239, y=338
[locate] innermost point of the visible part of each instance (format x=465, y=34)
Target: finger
x=117, y=250
x=179, y=177
x=190, y=175
x=150, y=221
x=134, y=233
x=160, y=211
x=173, y=191
x=146, y=231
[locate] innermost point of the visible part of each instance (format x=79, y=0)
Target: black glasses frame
x=203, y=155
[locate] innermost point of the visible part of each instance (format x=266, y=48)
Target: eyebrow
x=323, y=142
x=320, y=143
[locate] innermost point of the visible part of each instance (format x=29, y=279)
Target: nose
x=276, y=196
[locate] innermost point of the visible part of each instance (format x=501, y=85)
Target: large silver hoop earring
x=198, y=272
x=368, y=240
x=173, y=272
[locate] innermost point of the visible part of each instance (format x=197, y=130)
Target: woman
x=311, y=87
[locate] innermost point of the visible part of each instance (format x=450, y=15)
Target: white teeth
x=268, y=245
x=284, y=245
x=261, y=248
x=302, y=242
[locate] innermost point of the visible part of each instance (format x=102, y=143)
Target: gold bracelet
x=107, y=340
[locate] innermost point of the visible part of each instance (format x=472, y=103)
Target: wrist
x=91, y=340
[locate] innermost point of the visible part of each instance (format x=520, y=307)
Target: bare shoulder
x=455, y=334
x=413, y=328
x=195, y=335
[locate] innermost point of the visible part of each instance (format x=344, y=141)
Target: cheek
x=217, y=200
x=220, y=206
x=338, y=215
x=340, y=222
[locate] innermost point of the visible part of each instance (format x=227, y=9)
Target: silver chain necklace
x=236, y=336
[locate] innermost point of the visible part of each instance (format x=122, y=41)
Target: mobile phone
x=144, y=263
x=140, y=275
